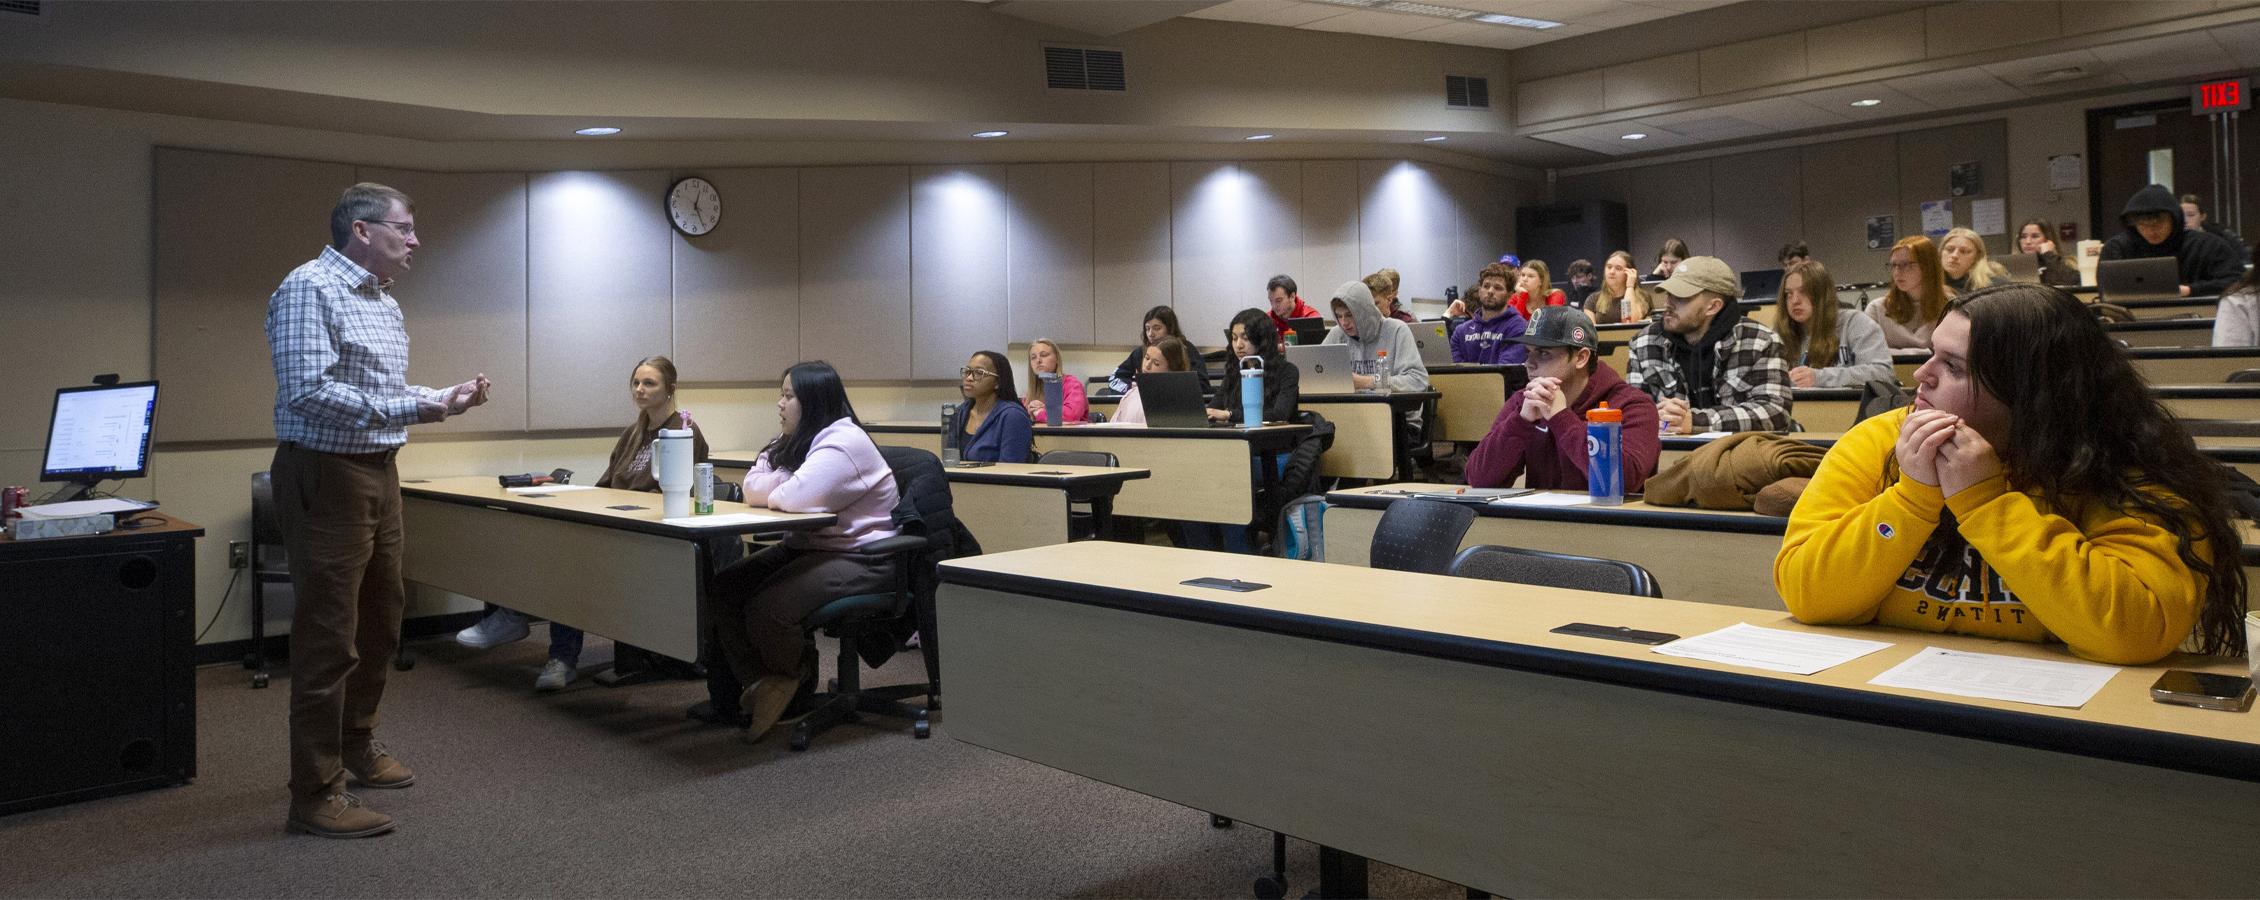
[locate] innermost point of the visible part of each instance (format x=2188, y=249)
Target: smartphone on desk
x=2204, y=690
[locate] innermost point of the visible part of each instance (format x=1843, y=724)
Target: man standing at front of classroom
x=343, y=405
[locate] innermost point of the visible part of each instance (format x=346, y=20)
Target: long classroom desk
x=2158, y=365
x=2163, y=332
x=1472, y=397
x=2170, y=307
x=574, y=556
x=2239, y=451
x=1368, y=440
x=1436, y=724
x=1833, y=409
x=1009, y=506
x=1197, y=474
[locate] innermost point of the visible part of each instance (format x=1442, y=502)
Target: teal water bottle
x=1251, y=391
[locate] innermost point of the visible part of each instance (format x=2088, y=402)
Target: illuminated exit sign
x=2234, y=95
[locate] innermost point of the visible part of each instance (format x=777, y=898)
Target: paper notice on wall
x=2065, y=172
x=1986, y=216
x=1883, y=231
x=1938, y=218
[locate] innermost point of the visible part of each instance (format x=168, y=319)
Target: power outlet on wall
x=239, y=554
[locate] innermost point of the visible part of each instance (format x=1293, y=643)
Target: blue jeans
x=565, y=643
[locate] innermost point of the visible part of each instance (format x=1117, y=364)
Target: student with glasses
x=992, y=424
x=1917, y=298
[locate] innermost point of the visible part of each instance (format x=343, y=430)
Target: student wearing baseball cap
x=1540, y=433
x=1709, y=367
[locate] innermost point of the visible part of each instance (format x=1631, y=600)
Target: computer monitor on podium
x=99, y=432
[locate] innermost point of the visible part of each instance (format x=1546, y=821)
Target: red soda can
x=11, y=499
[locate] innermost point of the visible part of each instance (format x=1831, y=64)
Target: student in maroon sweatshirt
x=1540, y=433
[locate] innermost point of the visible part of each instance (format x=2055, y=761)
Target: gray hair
x=363, y=202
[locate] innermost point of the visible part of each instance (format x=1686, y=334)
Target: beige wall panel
x=1865, y=44
x=74, y=281
x=597, y=265
x=1561, y=97
x=737, y=288
x=1672, y=200
x=1130, y=246
x=465, y=300
x=1837, y=204
x=1330, y=229
x=855, y=269
x=1048, y=226
x=221, y=249
x=1611, y=185
x=1659, y=80
x=1484, y=228
x=1970, y=27
x=1923, y=158
x=1774, y=60
x=1233, y=226
x=958, y=302
x=1755, y=207
x=1409, y=221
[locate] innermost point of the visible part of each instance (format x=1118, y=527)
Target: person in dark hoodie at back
x=1709, y=367
x=1541, y=430
x=2209, y=264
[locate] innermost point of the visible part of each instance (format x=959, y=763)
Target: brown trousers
x=755, y=605
x=341, y=525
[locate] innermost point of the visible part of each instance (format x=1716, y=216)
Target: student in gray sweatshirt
x=1359, y=323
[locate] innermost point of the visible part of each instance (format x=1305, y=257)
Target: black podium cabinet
x=97, y=675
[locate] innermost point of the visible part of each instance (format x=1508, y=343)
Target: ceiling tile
x=1839, y=101
x=1783, y=114
x=1377, y=24
x=2020, y=73
x=1498, y=37
x=2241, y=41
x=1550, y=10
x=2166, y=57
x=1684, y=6
x=1289, y=13
x=1955, y=88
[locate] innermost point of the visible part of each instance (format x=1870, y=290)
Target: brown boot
x=374, y=767
x=336, y=815
x=764, y=703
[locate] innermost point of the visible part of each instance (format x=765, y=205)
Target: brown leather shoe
x=764, y=703
x=336, y=815
x=374, y=767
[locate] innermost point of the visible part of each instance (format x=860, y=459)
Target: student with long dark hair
x=2036, y=491
x=821, y=462
x=1161, y=322
x=1825, y=344
x=1252, y=335
x=992, y=424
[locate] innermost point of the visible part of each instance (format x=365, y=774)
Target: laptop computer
x=1761, y=285
x=1323, y=368
x=1172, y=400
x=2025, y=267
x=1308, y=329
x=2152, y=278
x=1435, y=342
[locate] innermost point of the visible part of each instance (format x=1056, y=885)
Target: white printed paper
x=550, y=489
x=1938, y=218
x=76, y=508
x=1772, y=649
x=1545, y=498
x=722, y=520
x=1996, y=677
x=2065, y=172
x=1989, y=216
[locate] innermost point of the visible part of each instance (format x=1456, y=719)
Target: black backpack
x=1880, y=396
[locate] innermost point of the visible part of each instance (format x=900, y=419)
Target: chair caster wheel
x=1217, y=821
x=258, y=679
x=799, y=743
x=921, y=730
x=403, y=664
x=1268, y=888
x=251, y=661
x=831, y=685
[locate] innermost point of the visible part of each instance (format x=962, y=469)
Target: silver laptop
x=1323, y=368
x=2152, y=278
x=2024, y=267
x=1435, y=342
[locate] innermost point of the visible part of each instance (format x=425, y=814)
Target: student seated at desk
x=2236, y=323
x=1961, y=258
x=1043, y=357
x=1359, y=323
x=1541, y=430
x=992, y=425
x=1917, y=297
x=652, y=386
x=2034, y=492
x=1709, y=367
x=822, y=462
x=1166, y=355
x=1160, y=322
x=1488, y=337
x=1620, y=298
x=1282, y=384
x=1532, y=290
x=1383, y=283
x=2155, y=227
x=1668, y=259
x=1825, y=344
x=2033, y=237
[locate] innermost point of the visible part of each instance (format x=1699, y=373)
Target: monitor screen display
x=100, y=432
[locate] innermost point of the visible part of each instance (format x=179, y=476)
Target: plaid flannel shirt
x=341, y=360
x=1750, y=377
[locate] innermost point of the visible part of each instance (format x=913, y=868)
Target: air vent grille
x=1467, y=92
x=22, y=7
x=1084, y=69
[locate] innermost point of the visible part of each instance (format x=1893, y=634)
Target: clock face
x=694, y=205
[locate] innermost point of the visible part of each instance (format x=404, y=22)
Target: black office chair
x=1420, y=535
x=1082, y=521
x=870, y=627
x=2244, y=376
x=1562, y=570
x=270, y=564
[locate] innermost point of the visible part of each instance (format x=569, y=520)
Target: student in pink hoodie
x=823, y=462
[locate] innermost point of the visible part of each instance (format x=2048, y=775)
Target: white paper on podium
x=1544, y=498
x=1772, y=649
x=722, y=520
x=550, y=489
x=1996, y=677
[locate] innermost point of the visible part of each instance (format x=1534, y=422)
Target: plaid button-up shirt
x=1748, y=388
x=341, y=360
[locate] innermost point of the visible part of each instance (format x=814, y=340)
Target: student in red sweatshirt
x=1285, y=304
x=1540, y=433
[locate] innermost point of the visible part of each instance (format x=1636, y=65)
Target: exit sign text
x=2211, y=97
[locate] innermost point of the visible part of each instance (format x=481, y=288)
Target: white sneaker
x=499, y=627
x=555, y=676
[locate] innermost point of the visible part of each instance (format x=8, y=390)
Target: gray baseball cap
x=1560, y=326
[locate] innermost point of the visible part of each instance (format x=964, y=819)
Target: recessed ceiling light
x=1867, y=103
x=598, y=131
x=1432, y=138
x=1260, y=137
x=1516, y=21
x=1636, y=136
x=989, y=134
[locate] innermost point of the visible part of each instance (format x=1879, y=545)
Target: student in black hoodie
x=2153, y=218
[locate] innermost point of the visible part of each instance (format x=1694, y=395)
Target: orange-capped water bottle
x=1604, y=455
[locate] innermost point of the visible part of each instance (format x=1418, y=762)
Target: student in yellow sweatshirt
x=2034, y=492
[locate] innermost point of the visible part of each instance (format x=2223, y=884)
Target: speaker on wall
x=1560, y=233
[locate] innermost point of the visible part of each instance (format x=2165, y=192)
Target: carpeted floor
x=612, y=792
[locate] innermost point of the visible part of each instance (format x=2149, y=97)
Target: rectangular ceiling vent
x=1084, y=69
x=1467, y=92
x=33, y=8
